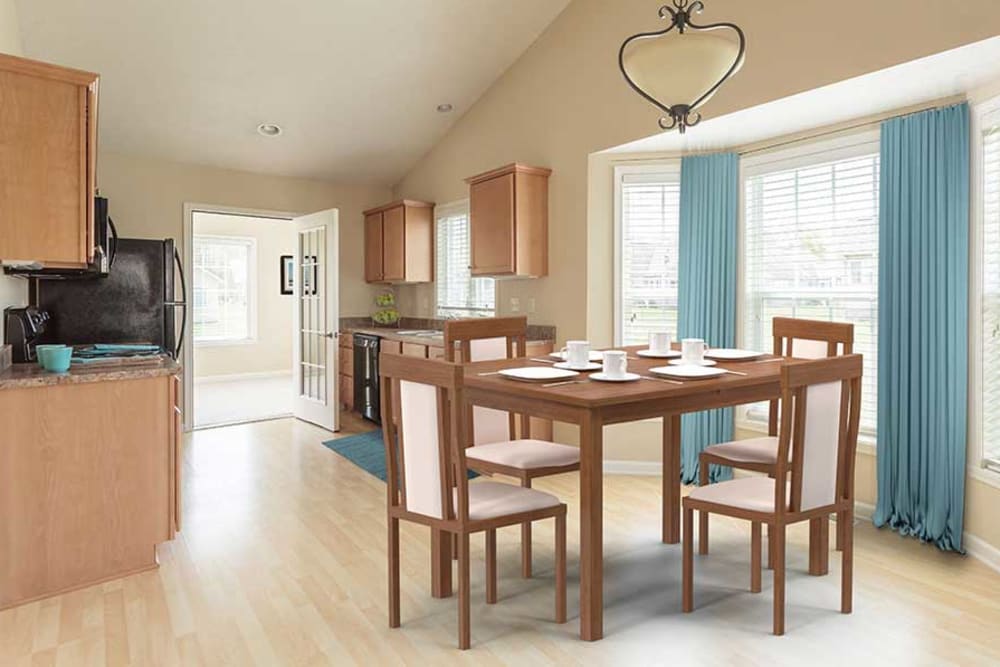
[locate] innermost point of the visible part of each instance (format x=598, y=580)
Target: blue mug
x=40, y=351
x=57, y=359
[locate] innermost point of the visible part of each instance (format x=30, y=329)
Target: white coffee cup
x=693, y=350
x=615, y=363
x=577, y=353
x=659, y=342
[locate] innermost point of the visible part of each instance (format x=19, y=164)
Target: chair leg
x=561, y=568
x=491, y=566
x=770, y=547
x=819, y=546
x=777, y=532
x=526, y=540
x=755, y=547
x=393, y=552
x=454, y=546
x=464, y=621
x=840, y=533
x=703, y=470
x=687, y=585
x=847, y=562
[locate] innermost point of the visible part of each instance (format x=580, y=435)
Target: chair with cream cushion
x=813, y=475
x=804, y=339
x=494, y=449
x=427, y=481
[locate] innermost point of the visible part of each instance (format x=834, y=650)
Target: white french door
x=316, y=320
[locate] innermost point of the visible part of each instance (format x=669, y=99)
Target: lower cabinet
x=346, y=380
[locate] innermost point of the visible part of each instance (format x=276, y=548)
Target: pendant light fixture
x=679, y=68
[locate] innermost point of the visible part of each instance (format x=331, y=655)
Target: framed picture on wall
x=287, y=274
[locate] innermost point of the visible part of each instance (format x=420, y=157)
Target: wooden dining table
x=592, y=405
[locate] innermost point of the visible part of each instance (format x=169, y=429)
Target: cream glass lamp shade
x=679, y=69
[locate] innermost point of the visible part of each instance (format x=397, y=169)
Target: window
x=810, y=247
x=988, y=205
x=224, y=289
x=647, y=217
x=458, y=293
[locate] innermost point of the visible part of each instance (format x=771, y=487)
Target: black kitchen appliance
x=22, y=328
x=105, y=246
x=366, y=380
x=135, y=303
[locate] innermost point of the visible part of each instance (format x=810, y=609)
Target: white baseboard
x=976, y=547
x=235, y=377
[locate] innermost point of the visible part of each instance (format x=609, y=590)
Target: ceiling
x=353, y=83
x=943, y=75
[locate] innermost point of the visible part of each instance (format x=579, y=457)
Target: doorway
x=242, y=310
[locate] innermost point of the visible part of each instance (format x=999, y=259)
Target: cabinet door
x=47, y=163
x=414, y=350
x=373, y=247
x=491, y=224
x=394, y=244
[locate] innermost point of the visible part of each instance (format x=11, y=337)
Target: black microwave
x=105, y=246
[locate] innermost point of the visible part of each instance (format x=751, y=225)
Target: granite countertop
x=431, y=341
x=20, y=376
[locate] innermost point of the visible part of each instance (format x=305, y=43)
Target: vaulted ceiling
x=354, y=84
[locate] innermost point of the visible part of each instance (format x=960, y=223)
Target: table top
x=593, y=393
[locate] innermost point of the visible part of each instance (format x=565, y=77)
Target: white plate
x=681, y=362
x=591, y=366
x=669, y=354
x=732, y=354
x=537, y=374
x=604, y=377
x=688, y=372
x=595, y=355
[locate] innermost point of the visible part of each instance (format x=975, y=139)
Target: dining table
x=592, y=405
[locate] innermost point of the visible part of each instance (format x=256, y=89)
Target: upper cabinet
x=48, y=135
x=399, y=242
x=509, y=222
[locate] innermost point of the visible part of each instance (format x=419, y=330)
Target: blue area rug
x=366, y=451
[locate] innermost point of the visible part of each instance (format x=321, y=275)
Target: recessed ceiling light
x=444, y=108
x=269, y=129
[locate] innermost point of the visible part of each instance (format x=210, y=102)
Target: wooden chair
x=494, y=448
x=818, y=438
x=805, y=339
x=427, y=481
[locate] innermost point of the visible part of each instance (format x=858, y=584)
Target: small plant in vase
x=386, y=315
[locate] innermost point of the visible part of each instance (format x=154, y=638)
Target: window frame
x=453, y=209
x=797, y=155
x=252, y=291
x=665, y=166
x=984, y=114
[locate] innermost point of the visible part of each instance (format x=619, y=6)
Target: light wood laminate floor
x=282, y=562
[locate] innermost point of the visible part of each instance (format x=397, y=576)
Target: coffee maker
x=21, y=329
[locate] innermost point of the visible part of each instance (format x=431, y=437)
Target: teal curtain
x=707, y=285
x=923, y=324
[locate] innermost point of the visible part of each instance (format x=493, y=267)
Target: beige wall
x=271, y=349
x=147, y=197
x=13, y=292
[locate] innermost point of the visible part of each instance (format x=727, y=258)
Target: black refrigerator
x=137, y=302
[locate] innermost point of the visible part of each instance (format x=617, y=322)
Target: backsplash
x=535, y=331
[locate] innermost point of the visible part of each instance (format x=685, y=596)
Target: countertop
x=431, y=341
x=20, y=376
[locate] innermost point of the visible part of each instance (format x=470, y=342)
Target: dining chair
x=804, y=339
x=426, y=480
x=495, y=450
x=813, y=475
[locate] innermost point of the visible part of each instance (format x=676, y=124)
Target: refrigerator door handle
x=182, y=304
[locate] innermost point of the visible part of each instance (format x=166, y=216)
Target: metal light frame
x=683, y=115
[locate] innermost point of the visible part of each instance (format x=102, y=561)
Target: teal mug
x=57, y=359
x=40, y=352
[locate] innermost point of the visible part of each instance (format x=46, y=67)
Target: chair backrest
x=807, y=339
x=484, y=339
x=422, y=435
x=821, y=410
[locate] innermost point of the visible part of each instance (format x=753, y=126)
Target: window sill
x=225, y=343
x=985, y=475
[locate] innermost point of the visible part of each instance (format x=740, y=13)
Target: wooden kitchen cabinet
x=399, y=243
x=48, y=136
x=345, y=350
x=509, y=222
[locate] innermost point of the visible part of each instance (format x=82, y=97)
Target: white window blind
x=990, y=306
x=458, y=293
x=811, y=247
x=223, y=289
x=647, y=220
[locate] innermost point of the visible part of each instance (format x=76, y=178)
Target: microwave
x=105, y=245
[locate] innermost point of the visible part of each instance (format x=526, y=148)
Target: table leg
x=591, y=530
x=671, y=479
x=440, y=563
